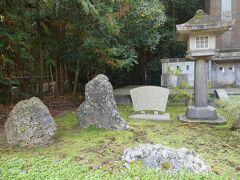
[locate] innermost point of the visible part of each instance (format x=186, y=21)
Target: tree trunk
x=62, y=78
x=65, y=73
x=58, y=80
x=60, y=33
x=144, y=67
x=40, y=58
x=76, y=78
x=51, y=74
x=174, y=29
x=57, y=75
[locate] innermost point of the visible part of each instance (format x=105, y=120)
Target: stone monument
x=150, y=98
x=221, y=94
x=201, y=32
x=99, y=107
x=30, y=124
x=164, y=158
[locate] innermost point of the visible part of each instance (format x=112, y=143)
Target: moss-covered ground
x=96, y=153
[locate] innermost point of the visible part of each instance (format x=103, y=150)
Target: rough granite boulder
x=164, y=158
x=30, y=124
x=99, y=107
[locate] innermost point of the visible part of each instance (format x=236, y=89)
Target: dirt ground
x=55, y=104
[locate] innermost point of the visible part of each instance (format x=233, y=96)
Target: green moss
x=199, y=14
x=48, y=168
x=166, y=165
x=136, y=163
x=102, y=149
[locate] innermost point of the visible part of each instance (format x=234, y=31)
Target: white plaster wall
x=211, y=41
x=237, y=74
x=183, y=65
x=172, y=80
x=164, y=68
x=225, y=76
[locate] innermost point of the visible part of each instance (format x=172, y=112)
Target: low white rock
x=158, y=154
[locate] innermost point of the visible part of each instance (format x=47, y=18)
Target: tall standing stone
x=30, y=124
x=99, y=107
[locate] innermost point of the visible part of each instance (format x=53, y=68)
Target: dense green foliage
x=70, y=36
x=72, y=41
x=177, y=12
x=93, y=152
x=231, y=107
x=16, y=46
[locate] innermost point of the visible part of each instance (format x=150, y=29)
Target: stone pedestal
x=208, y=112
x=201, y=111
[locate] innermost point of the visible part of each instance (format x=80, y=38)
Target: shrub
x=231, y=109
x=181, y=95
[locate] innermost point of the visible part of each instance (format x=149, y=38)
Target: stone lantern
x=200, y=32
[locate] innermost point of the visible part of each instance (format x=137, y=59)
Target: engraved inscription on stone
x=149, y=98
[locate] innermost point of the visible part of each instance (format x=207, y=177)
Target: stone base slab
x=155, y=117
x=219, y=120
x=208, y=112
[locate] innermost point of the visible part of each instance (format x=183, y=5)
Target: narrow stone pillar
x=210, y=71
x=200, y=84
x=201, y=111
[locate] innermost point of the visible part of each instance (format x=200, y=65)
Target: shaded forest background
x=57, y=46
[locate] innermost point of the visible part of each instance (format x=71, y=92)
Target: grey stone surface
x=99, y=107
x=219, y=120
x=221, y=93
x=156, y=155
x=194, y=112
x=149, y=98
x=201, y=114
x=30, y=124
x=200, y=84
x=155, y=117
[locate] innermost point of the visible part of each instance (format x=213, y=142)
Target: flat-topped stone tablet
x=221, y=93
x=149, y=98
